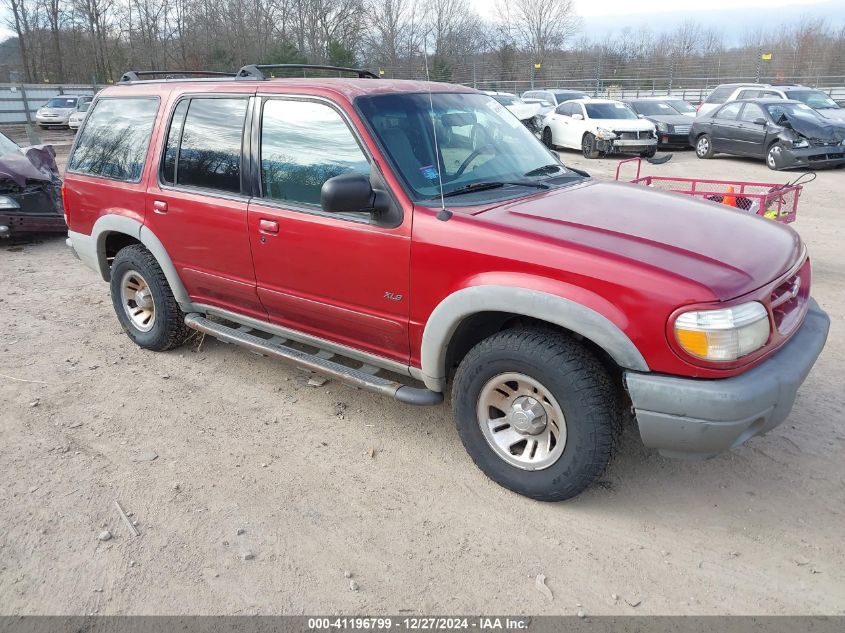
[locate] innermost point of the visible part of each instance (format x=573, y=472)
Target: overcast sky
x=627, y=7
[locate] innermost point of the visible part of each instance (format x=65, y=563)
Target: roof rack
x=253, y=71
x=136, y=75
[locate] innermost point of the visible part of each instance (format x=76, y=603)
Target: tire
x=572, y=382
x=588, y=146
x=704, y=146
x=649, y=153
x=138, y=282
x=547, y=138
x=771, y=163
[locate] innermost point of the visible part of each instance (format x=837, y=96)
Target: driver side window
x=729, y=112
x=751, y=113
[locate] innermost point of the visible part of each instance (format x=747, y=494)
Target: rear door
x=333, y=276
x=725, y=129
x=197, y=206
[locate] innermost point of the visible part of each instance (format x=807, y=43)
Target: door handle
x=268, y=226
x=160, y=206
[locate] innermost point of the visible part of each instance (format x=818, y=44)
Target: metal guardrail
x=19, y=102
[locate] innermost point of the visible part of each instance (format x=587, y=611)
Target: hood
x=727, y=251
x=625, y=125
x=31, y=163
x=833, y=114
x=524, y=111
x=671, y=119
x=826, y=131
x=46, y=110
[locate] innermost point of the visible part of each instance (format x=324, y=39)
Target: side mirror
x=578, y=117
x=760, y=121
x=640, y=116
x=348, y=193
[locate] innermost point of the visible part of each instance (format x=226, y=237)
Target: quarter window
x=114, y=140
x=303, y=144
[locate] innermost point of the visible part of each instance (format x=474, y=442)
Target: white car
x=516, y=106
x=598, y=127
x=58, y=110
x=75, y=120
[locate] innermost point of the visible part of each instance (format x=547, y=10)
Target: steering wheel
x=473, y=155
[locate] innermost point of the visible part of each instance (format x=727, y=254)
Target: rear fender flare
x=108, y=224
x=566, y=313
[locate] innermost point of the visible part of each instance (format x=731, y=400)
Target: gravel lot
x=266, y=493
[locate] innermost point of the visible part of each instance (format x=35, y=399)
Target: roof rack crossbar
x=253, y=71
x=136, y=75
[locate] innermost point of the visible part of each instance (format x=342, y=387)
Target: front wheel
x=547, y=138
x=649, y=153
x=143, y=301
x=588, y=146
x=774, y=157
x=535, y=410
x=704, y=146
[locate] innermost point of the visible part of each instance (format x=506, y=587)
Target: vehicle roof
x=655, y=98
x=348, y=87
x=594, y=100
x=499, y=93
x=557, y=90
x=768, y=101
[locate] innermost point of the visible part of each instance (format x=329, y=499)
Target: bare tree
x=539, y=26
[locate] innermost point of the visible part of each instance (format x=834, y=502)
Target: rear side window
x=729, y=111
x=114, y=140
x=720, y=94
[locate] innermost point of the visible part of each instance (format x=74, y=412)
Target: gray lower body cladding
x=684, y=417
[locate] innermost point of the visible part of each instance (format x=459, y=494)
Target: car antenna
x=444, y=214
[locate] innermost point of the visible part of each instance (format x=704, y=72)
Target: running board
x=363, y=377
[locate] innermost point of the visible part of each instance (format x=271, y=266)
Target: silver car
x=58, y=110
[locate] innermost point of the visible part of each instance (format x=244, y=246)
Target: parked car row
x=62, y=111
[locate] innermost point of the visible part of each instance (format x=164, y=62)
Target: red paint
x=632, y=254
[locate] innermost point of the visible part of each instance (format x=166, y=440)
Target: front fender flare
x=571, y=315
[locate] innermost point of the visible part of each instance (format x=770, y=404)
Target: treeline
x=94, y=41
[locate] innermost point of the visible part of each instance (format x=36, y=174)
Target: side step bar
x=363, y=377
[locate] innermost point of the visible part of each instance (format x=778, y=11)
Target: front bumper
x=632, y=146
x=666, y=139
x=41, y=119
x=686, y=417
x=815, y=156
x=15, y=224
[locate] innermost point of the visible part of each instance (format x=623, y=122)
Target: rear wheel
x=588, y=146
x=704, y=146
x=143, y=301
x=547, y=138
x=535, y=410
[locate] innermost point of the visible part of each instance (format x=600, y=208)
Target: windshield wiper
x=496, y=184
x=545, y=169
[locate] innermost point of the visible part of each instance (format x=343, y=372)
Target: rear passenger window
x=114, y=140
x=203, y=146
x=303, y=144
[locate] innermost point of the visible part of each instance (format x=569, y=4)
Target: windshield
x=505, y=100
x=797, y=110
x=654, y=108
x=609, y=111
x=61, y=102
x=681, y=106
x=478, y=139
x=569, y=96
x=7, y=145
x=83, y=107
x=813, y=98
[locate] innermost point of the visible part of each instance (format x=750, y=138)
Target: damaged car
x=599, y=127
x=528, y=113
x=787, y=134
x=30, y=189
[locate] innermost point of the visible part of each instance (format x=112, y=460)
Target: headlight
x=605, y=134
x=662, y=127
x=8, y=203
x=801, y=143
x=723, y=335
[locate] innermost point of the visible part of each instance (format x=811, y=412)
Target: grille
x=632, y=136
x=788, y=299
x=681, y=129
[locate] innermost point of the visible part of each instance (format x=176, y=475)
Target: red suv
x=412, y=237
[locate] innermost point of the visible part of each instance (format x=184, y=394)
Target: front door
x=725, y=126
x=334, y=276
x=752, y=134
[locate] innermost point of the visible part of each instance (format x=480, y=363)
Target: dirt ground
x=266, y=493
